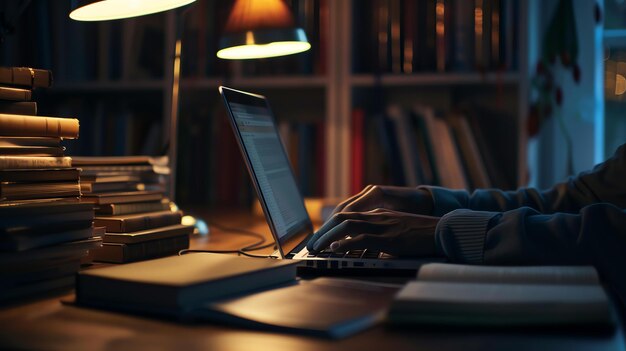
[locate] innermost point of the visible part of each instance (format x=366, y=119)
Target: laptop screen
x=269, y=166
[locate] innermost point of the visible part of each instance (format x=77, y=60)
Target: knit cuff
x=460, y=235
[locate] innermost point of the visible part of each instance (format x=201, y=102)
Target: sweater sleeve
x=596, y=235
x=605, y=183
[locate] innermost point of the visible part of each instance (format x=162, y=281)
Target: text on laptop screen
x=271, y=168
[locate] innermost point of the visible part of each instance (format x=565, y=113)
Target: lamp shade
x=259, y=29
x=104, y=10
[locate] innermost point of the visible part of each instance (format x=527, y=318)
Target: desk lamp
x=255, y=29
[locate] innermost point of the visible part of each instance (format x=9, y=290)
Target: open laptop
x=255, y=130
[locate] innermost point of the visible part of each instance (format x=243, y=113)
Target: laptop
x=267, y=163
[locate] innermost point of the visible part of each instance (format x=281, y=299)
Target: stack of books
x=45, y=231
x=128, y=193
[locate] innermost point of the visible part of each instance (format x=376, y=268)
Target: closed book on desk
x=448, y=294
x=175, y=284
x=326, y=307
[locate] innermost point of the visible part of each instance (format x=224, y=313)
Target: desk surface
x=46, y=324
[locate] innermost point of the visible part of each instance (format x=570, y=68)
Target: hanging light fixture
x=260, y=29
x=104, y=10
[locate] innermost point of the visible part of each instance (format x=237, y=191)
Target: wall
x=582, y=107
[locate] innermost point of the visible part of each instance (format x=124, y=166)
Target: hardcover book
x=173, y=285
x=149, y=234
x=450, y=294
x=136, y=222
x=26, y=76
x=38, y=126
x=15, y=94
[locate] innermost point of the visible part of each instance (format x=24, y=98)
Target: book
x=450, y=294
x=122, y=197
x=39, y=190
x=116, y=209
x=136, y=222
x=26, y=290
x=174, y=285
x=92, y=187
x=38, y=126
x=445, y=156
x=36, y=151
x=471, y=156
x=29, y=141
x=120, y=160
x=407, y=145
x=19, y=107
x=109, y=178
x=40, y=175
x=46, y=224
x=44, y=255
x=18, y=162
x=357, y=151
x=25, y=76
x=340, y=308
x=16, y=210
x=148, y=234
x=124, y=253
x=21, y=242
x=15, y=94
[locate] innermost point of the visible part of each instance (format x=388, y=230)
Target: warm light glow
x=258, y=14
x=281, y=48
x=116, y=9
x=620, y=84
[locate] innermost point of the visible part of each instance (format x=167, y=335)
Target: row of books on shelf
x=78, y=51
x=408, y=36
x=59, y=212
x=211, y=170
x=415, y=146
x=115, y=127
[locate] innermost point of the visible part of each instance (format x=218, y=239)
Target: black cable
x=252, y=247
x=242, y=251
x=238, y=252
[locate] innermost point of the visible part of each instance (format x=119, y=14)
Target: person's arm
x=605, y=183
x=596, y=235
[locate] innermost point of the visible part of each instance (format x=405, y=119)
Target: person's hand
x=393, y=232
x=402, y=199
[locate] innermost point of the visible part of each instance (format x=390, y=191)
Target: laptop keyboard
x=366, y=253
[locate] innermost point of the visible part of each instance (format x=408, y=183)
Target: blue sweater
x=579, y=221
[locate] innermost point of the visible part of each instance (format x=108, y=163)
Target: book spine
x=38, y=126
x=17, y=162
x=25, y=76
x=358, y=130
x=133, y=224
x=19, y=107
x=15, y=94
x=130, y=208
x=123, y=253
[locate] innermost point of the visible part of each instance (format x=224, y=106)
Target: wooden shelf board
x=291, y=82
x=113, y=85
x=367, y=80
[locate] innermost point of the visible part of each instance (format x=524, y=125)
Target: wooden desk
x=46, y=324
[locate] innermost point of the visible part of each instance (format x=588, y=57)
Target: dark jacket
x=579, y=221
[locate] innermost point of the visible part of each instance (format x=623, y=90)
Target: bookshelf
x=312, y=93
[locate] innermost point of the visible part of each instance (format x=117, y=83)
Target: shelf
x=108, y=86
x=615, y=37
x=442, y=79
x=269, y=82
